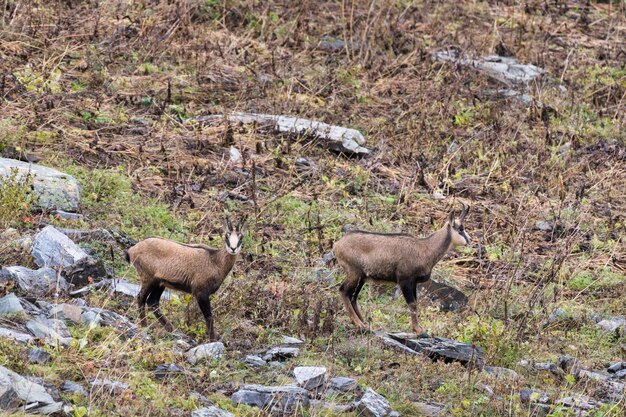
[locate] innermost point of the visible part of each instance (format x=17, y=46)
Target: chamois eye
x=461, y=228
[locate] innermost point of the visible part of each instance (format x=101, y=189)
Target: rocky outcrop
x=53, y=189
x=280, y=399
x=436, y=348
x=53, y=249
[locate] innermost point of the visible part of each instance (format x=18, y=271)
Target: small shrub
x=16, y=199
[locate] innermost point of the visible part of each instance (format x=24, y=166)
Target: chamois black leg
x=141, y=303
x=205, y=307
x=355, y=297
x=153, y=302
x=409, y=290
x=349, y=294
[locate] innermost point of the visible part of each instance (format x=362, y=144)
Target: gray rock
x=287, y=340
x=108, y=386
x=10, y=304
x=580, y=403
x=501, y=373
x=503, y=69
x=100, y=316
x=66, y=312
x=200, y=398
x=543, y=226
x=344, y=384
x=206, y=351
x=336, y=138
x=372, y=404
x=428, y=409
x=445, y=296
x=436, y=348
x=281, y=353
x=568, y=363
x=528, y=395
x=16, y=335
x=53, y=189
x=8, y=397
x=557, y=315
x=394, y=414
x=591, y=375
x=130, y=289
x=620, y=374
x=68, y=216
x=211, y=411
x=612, y=324
x=310, y=377
x=52, y=331
x=35, y=283
x=254, y=361
x=53, y=249
x=282, y=399
x=165, y=370
x=14, y=388
x=91, y=318
x=73, y=388
x=542, y=366
x=38, y=355
x=303, y=162
x=331, y=44
x=616, y=367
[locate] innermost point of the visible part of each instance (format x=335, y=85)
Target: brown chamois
x=395, y=257
x=195, y=269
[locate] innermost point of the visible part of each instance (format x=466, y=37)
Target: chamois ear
x=464, y=212
x=241, y=225
x=451, y=218
x=227, y=226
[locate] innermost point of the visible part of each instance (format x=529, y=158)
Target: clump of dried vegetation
x=105, y=91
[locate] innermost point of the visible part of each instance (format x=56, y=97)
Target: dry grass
x=105, y=87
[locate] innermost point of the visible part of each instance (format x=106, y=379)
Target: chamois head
x=233, y=236
x=459, y=237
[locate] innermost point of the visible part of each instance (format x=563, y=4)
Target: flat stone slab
x=344, y=384
x=504, y=69
x=286, y=399
x=35, y=283
x=16, y=335
x=310, y=377
x=52, y=331
x=53, y=189
x=18, y=390
x=372, y=404
x=206, y=351
x=280, y=353
x=109, y=386
x=436, y=348
x=336, y=138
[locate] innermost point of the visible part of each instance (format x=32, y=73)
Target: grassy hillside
x=106, y=91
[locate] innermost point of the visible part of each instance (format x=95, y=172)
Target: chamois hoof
x=423, y=335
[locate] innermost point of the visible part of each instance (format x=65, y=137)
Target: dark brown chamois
x=195, y=269
x=399, y=258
